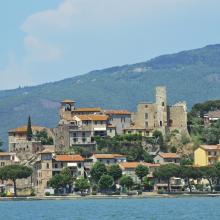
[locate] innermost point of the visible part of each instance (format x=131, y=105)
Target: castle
x=79, y=126
x=159, y=116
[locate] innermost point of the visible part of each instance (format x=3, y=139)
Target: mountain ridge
x=191, y=75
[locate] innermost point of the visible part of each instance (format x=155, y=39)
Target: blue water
x=113, y=209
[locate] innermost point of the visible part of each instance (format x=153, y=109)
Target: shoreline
x=91, y=197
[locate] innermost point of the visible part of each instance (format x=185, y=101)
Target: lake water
x=113, y=209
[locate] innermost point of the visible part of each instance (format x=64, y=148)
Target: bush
x=32, y=193
x=160, y=191
x=47, y=193
x=199, y=187
x=3, y=194
x=94, y=193
x=139, y=192
x=117, y=192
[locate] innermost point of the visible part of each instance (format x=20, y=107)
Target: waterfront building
x=128, y=168
x=206, y=155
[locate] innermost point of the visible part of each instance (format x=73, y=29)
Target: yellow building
x=207, y=155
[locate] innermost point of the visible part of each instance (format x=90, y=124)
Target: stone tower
x=161, y=108
x=67, y=106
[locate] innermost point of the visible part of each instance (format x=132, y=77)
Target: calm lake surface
x=113, y=209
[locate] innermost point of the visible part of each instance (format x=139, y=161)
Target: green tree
x=98, y=169
x=212, y=133
x=141, y=171
x=42, y=136
x=61, y=180
x=14, y=172
x=56, y=182
x=126, y=181
x=29, y=129
x=189, y=172
x=106, y=182
x=148, y=184
x=147, y=157
x=210, y=173
x=186, y=160
x=115, y=171
x=165, y=172
x=82, y=184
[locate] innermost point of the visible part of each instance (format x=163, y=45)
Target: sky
x=45, y=41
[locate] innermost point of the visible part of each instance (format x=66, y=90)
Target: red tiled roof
x=117, y=112
x=108, y=156
x=24, y=128
x=69, y=158
x=93, y=117
x=133, y=165
x=68, y=101
x=210, y=147
x=169, y=155
x=87, y=110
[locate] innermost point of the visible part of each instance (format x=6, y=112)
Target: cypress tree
x=29, y=130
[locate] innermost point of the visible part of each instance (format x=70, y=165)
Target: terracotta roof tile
x=133, y=165
x=210, y=147
x=7, y=154
x=68, y=101
x=108, y=156
x=69, y=158
x=93, y=117
x=87, y=110
x=24, y=128
x=117, y=112
x=169, y=155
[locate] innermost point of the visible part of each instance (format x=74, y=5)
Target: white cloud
x=40, y=51
x=59, y=18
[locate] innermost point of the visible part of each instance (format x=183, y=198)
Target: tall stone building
x=159, y=116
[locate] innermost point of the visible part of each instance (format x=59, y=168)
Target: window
x=74, y=134
x=146, y=115
x=122, y=119
x=55, y=165
x=75, y=139
x=163, y=104
x=83, y=140
x=215, y=153
x=96, y=122
x=146, y=106
x=161, y=123
x=209, y=153
x=48, y=166
x=83, y=134
x=146, y=124
x=2, y=164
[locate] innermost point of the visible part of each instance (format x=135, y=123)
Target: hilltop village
x=95, y=150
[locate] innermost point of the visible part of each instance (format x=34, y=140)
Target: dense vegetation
x=190, y=75
x=200, y=133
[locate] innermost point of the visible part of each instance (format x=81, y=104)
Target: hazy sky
x=48, y=40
